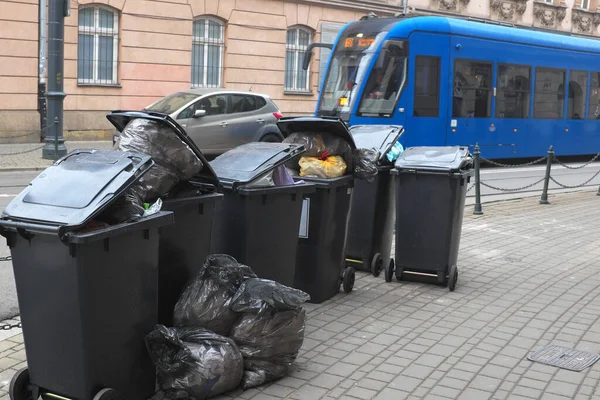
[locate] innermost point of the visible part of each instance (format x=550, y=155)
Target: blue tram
x=452, y=81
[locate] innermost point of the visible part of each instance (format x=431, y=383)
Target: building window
x=514, y=87
x=549, y=97
x=207, y=53
x=472, y=97
x=427, y=87
x=594, y=106
x=296, y=78
x=578, y=83
x=97, y=46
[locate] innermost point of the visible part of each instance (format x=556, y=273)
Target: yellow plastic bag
x=331, y=167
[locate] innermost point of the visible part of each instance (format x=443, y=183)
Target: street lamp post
x=54, y=142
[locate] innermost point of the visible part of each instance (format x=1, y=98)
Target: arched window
x=296, y=78
x=207, y=52
x=97, y=45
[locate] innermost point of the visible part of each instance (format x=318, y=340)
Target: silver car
x=218, y=120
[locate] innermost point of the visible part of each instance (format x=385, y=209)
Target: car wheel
x=270, y=138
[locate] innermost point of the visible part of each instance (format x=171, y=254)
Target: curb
x=23, y=169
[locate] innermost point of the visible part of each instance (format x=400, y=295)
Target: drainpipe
x=404, y=6
x=42, y=33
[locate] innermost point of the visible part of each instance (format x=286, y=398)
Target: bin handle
x=20, y=226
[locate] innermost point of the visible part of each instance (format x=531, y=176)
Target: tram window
x=578, y=83
x=549, y=99
x=594, y=106
x=514, y=87
x=427, y=87
x=472, y=97
x=386, y=81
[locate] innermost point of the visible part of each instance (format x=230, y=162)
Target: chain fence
x=527, y=164
x=6, y=140
x=7, y=258
x=7, y=326
x=549, y=159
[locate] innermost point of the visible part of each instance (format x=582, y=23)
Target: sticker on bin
x=303, y=234
x=349, y=191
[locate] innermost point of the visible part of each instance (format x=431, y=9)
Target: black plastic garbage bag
x=269, y=344
x=194, y=362
x=128, y=207
x=174, y=161
x=271, y=330
x=205, y=301
x=263, y=295
x=365, y=164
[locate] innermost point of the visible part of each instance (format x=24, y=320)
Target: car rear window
x=260, y=102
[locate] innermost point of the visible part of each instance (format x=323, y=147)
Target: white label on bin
x=349, y=191
x=304, y=219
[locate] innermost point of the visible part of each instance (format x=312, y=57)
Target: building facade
x=125, y=54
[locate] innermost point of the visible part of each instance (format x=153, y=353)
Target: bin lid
x=249, y=161
x=434, y=158
x=335, y=126
x=378, y=137
x=77, y=187
x=121, y=118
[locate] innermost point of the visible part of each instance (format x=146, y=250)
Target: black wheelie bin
x=372, y=212
x=87, y=291
x=320, y=263
x=183, y=246
x=431, y=187
x=258, y=220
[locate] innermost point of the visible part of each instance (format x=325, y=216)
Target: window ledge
x=297, y=93
x=111, y=85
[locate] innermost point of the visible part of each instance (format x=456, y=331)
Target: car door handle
x=223, y=124
x=260, y=120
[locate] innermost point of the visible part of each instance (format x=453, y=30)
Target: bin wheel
x=348, y=280
x=389, y=270
x=20, y=386
x=108, y=394
x=376, y=265
x=452, y=278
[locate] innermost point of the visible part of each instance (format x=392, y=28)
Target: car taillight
x=278, y=114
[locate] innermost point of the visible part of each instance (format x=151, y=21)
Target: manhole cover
x=563, y=357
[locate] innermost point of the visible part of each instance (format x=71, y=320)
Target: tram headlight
x=343, y=101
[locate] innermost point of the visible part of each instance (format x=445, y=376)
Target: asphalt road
x=11, y=183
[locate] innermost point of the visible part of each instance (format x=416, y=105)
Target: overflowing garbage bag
x=204, y=303
x=270, y=333
x=365, y=164
x=320, y=146
x=330, y=156
x=327, y=167
x=194, y=362
x=174, y=160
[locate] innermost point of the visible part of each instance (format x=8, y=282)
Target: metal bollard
x=598, y=194
x=477, y=210
x=550, y=158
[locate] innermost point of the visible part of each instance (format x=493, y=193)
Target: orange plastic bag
x=330, y=167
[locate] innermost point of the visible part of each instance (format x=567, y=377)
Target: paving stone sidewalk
x=28, y=156
x=529, y=277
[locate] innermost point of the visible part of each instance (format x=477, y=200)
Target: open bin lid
x=76, y=188
x=120, y=119
x=435, y=158
x=250, y=161
x=378, y=137
x=335, y=126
